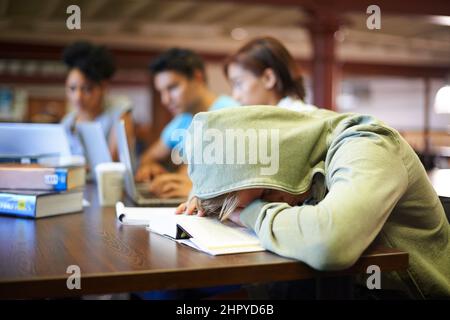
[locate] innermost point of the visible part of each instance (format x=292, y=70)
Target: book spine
x=40, y=179
x=21, y=205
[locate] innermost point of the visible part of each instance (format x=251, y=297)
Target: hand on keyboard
x=171, y=185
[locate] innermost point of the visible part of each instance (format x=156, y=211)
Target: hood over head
x=260, y=147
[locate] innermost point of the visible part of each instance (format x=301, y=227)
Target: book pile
x=36, y=190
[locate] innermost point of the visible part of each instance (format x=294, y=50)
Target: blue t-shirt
x=183, y=121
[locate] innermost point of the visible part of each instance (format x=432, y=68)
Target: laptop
x=137, y=192
x=24, y=139
x=94, y=143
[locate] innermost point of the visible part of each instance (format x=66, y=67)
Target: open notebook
x=206, y=234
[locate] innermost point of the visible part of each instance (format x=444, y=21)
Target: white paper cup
x=110, y=181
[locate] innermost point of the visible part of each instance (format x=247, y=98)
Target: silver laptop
x=137, y=192
x=33, y=139
x=94, y=144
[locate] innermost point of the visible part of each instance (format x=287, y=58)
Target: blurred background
x=393, y=73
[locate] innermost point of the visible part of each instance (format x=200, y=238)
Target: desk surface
x=35, y=255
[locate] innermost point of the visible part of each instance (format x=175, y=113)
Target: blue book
x=37, y=204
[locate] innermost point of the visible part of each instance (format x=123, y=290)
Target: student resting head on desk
x=90, y=69
x=321, y=187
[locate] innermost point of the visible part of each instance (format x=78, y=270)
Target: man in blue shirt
x=179, y=76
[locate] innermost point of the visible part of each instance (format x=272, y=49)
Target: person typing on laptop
x=179, y=76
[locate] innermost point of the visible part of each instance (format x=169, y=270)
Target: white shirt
x=295, y=105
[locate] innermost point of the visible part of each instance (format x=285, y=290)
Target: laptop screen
x=94, y=143
x=126, y=159
x=33, y=139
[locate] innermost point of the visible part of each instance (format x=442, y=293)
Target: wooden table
x=35, y=255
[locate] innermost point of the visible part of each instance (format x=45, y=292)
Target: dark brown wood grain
x=35, y=254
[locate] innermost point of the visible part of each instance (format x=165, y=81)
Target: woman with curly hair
x=90, y=69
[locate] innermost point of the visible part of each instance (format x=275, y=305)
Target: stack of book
x=36, y=190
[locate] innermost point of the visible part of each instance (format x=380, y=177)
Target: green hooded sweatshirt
x=367, y=185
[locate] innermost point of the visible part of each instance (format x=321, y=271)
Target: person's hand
x=190, y=208
x=148, y=171
x=171, y=185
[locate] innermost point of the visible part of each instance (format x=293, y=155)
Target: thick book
x=205, y=234
x=37, y=204
x=37, y=177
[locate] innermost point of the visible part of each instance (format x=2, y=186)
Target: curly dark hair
x=96, y=62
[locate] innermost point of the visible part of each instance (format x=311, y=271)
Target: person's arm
x=149, y=164
x=158, y=151
x=161, y=150
x=112, y=139
x=365, y=179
